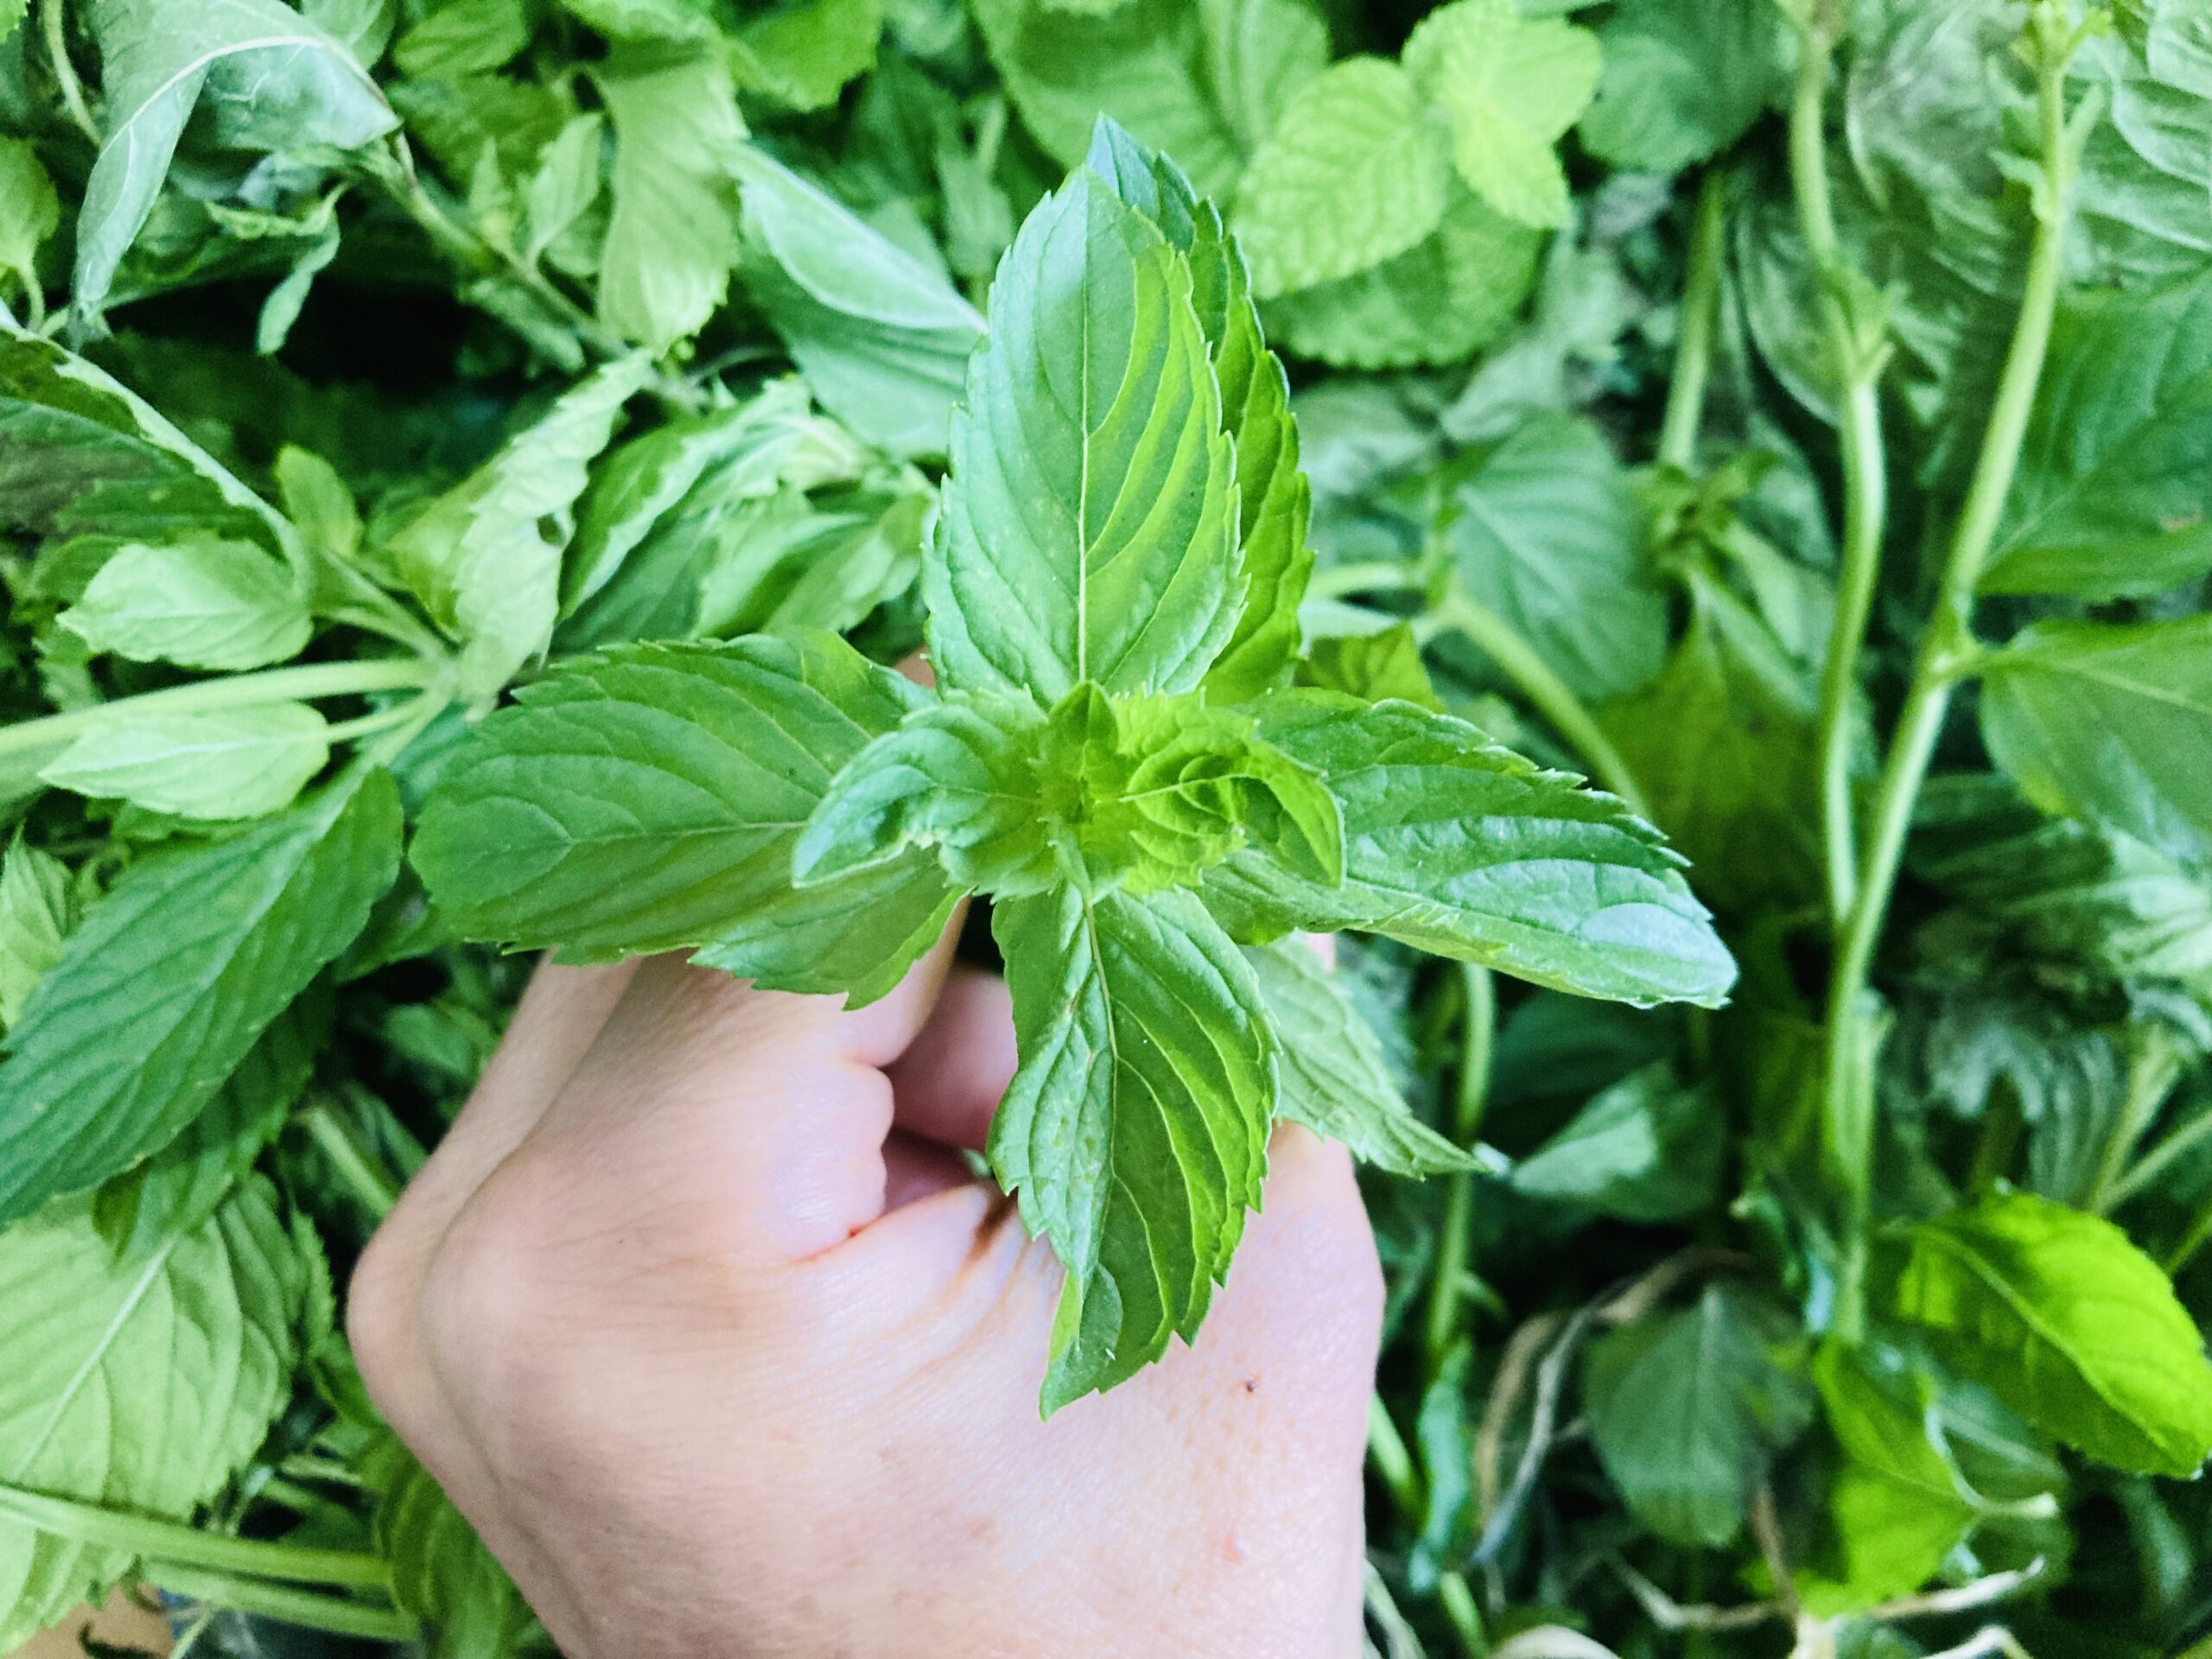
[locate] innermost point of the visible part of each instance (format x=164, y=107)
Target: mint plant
x=1114, y=754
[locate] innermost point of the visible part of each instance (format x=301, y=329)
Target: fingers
x=946, y=1086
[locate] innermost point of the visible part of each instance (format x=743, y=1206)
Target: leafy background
x=1650, y=363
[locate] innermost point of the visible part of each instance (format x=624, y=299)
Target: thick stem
x=1700, y=321
x=1946, y=656
x=361, y=1174
x=1456, y=1245
x=1393, y=1461
x=1857, y=361
x=1552, y=696
x=306, y=1608
x=54, y=21
x=172, y=1541
x=232, y=691
x=1457, y=1600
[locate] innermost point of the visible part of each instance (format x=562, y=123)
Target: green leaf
x=1275, y=499
x=881, y=339
x=1683, y=79
x=2059, y=1316
x=787, y=562
x=1332, y=1072
x=672, y=235
x=38, y=909
x=802, y=52
x=649, y=799
x=173, y=978
x=1353, y=175
x=1135, y=1131
x=1547, y=530
x=211, y=604
x=12, y=13
x=649, y=20
x=1468, y=851
x=1511, y=86
x=2110, y=722
x=1688, y=1408
x=219, y=763
x=1441, y=299
x=566, y=186
x=2114, y=491
x=30, y=213
x=270, y=79
x=1373, y=667
x=1650, y=1148
x=1723, y=742
x=1140, y=64
x=464, y=37
x=177, y=1189
x=1259, y=52
x=143, y=1385
x=1087, y=531
x=441, y=1571
x=479, y=556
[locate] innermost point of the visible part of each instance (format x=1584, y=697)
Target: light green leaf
x=143, y=1385
x=1331, y=1072
x=1087, y=531
x=1683, y=79
x=273, y=81
x=1547, y=530
x=38, y=909
x=464, y=37
x=173, y=978
x=1688, y=1408
x=2064, y=1319
x=177, y=1189
x=649, y=800
x=1381, y=667
x=207, y=603
x=317, y=500
x=2111, y=722
x=672, y=236
x=1353, y=175
x=803, y=51
x=30, y=213
x=566, y=184
x=882, y=340
x=218, y=763
x=479, y=557
x=789, y=562
x=2115, y=493
x=12, y=13
x=649, y=20
x=1468, y=851
x=1443, y=298
x=1511, y=86
x=441, y=1571
x=1650, y=1148
x=1275, y=500
x=1135, y=1131
x=1259, y=52
x=280, y=309
x=1141, y=65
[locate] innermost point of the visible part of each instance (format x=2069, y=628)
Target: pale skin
x=700, y=1319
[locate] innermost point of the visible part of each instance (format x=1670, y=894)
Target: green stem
x=187, y=1546
x=1373, y=576
x=53, y=22
x=2155, y=1162
x=2199, y=1229
x=1394, y=1462
x=1552, y=696
x=1454, y=1249
x=362, y=1175
x=1700, y=321
x=2151, y=1076
x=1946, y=654
x=336, y=1614
x=233, y=691
x=1457, y=1600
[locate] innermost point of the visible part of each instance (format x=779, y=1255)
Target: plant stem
x=1393, y=1461
x=2152, y=1071
x=54, y=21
x=2155, y=1162
x=1552, y=696
x=1453, y=1249
x=360, y=1172
x=336, y=1614
x=187, y=1546
x=1701, y=320
x=1858, y=363
x=1371, y=576
x=1946, y=654
x=1457, y=1601
x=233, y=691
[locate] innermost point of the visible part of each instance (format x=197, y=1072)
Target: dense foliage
x=467, y=468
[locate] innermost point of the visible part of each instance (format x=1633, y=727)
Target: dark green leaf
x=1650, y=1148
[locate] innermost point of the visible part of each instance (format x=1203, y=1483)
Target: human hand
x=699, y=1317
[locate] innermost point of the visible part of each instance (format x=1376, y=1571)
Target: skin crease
x=699, y=1318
